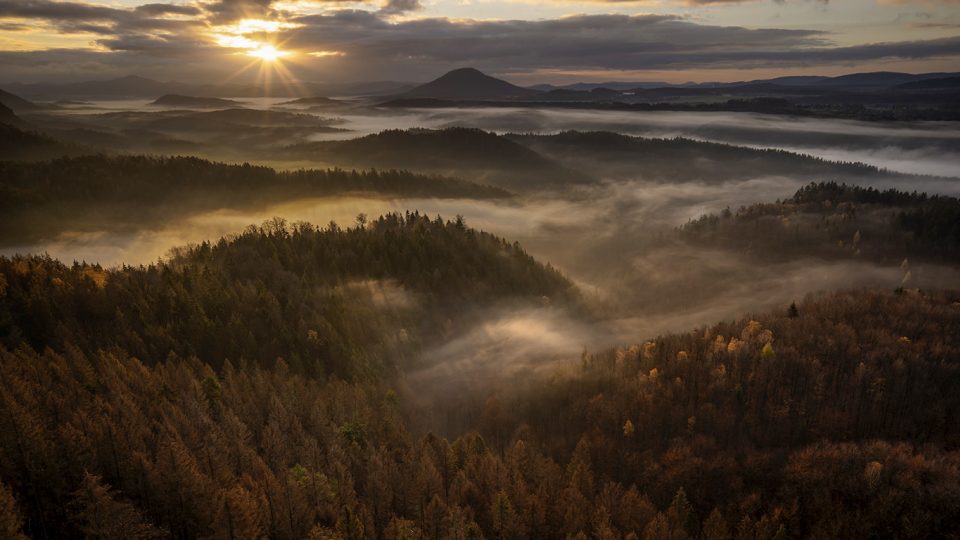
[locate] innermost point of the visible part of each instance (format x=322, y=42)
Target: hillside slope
x=19, y=142
x=330, y=301
x=91, y=193
x=681, y=160
x=816, y=423
x=471, y=153
x=832, y=220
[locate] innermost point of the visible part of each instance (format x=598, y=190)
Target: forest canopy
x=838, y=220
x=47, y=197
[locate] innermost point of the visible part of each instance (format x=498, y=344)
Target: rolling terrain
x=473, y=309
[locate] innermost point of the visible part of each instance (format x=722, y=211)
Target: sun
x=267, y=53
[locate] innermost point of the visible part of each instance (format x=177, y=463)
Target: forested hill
x=844, y=405
x=471, y=152
x=834, y=420
x=93, y=192
x=19, y=142
x=832, y=219
x=681, y=160
x=352, y=302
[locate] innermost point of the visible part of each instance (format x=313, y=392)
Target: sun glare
x=267, y=53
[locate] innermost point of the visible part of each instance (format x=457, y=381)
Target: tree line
x=42, y=199
x=833, y=219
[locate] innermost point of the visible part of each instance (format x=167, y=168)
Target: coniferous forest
x=475, y=308
x=254, y=388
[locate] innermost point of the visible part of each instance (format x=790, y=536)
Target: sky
x=524, y=41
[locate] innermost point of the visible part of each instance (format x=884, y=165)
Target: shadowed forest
x=411, y=316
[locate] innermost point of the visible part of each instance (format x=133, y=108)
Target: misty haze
x=401, y=270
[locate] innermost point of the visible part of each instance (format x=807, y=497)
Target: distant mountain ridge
x=872, y=79
x=463, y=83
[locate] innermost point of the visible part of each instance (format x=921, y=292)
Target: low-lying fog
x=613, y=240
x=931, y=148
x=609, y=242
x=918, y=148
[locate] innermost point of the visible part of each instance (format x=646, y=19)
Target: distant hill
x=795, y=80
x=623, y=157
x=588, y=86
x=468, y=83
x=93, y=192
x=865, y=223
x=880, y=78
x=247, y=117
x=930, y=84
x=877, y=79
x=177, y=100
x=19, y=144
x=16, y=103
x=471, y=153
x=318, y=101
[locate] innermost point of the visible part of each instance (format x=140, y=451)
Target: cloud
x=224, y=11
x=75, y=17
x=154, y=10
x=394, y=7
x=44, y=9
x=375, y=45
x=614, y=42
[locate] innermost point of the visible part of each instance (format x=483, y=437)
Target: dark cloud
x=374, y=47
x=56, y=11
x=159, y=46
x=154, y=10
x=613, y=42
x=13, y=27
x=393, y=7
x=75, y=17
x=225, y=11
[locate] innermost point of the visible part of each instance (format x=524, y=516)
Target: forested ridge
x=142, y=178
x=20, y=143
x=469, y=152
x=343, y=301
x=838, y=220
x=680, y=159
x=93, y=191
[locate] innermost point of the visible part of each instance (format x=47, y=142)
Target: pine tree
x=682, y=515
x=10, y=519
x=98, y=514
x=715, y=527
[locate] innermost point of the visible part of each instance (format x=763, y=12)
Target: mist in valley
x=615, y=235
x=616, y=241
x=921, y=147
x=317, y=270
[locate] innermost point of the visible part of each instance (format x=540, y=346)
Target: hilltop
x=471, y=153
x=331, y=300
x=836, y=220
x=177, y=100
x=467, y=83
